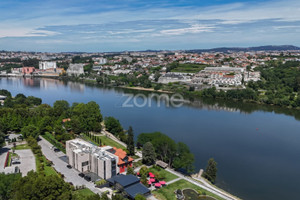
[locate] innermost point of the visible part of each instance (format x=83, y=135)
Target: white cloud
x=196, y=28
x=17, y=32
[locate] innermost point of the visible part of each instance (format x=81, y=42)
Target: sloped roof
x=135, y=189
x=122, y=155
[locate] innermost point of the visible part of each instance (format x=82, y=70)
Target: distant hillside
x=260, y=48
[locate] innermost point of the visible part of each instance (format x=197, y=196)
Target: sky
x=120, y=25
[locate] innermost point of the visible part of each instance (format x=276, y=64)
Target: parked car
x=56, y=149
x=81, y=175
x=88, y=178
x=69, y=166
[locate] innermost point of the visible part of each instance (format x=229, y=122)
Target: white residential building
x=44, y=65
x=75, y=69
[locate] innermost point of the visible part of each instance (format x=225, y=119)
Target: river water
x=257, y=147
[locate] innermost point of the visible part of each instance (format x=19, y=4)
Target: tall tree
x=35, y=186
x=184, y=158
x=2, y=139
x=148, y=154
x=130, y=170
x=113, y=125
x=211, y=170
x=6, y=184
x=130, y=141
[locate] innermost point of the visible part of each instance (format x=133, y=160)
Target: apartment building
x=86, y=157
x=44, y=65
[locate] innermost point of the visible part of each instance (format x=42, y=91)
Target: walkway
x=206, y=186
x=173, y=181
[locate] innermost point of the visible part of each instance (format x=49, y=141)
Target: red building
x=124, y=160
x=28, y=70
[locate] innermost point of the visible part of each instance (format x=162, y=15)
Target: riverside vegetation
x=61, y=122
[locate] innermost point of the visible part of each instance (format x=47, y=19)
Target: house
x=124, y=161
x=28, y=70
x=129, y=184
x=75, y=69
x=2, y=99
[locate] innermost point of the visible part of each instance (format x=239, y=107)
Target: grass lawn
x=137, y=164
x=21, y=147
x=83, y=193
x=47, y=169
x=167, y=193
x=135, y=157
x=105, y=141
x=9, y=159
x=168, y=176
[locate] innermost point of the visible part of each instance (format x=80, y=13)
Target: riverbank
x=146, y=89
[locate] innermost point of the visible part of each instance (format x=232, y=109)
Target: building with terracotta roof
x=124, y=160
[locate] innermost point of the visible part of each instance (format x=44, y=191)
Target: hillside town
x=206, y=69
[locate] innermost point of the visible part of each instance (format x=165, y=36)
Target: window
x=85, y=163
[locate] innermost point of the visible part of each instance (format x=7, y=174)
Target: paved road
x=71, y=175
x=206, y=187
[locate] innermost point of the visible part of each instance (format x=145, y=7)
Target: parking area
x=71, y=175
x=27, y=161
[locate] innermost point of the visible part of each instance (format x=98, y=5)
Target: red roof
x=122, y=155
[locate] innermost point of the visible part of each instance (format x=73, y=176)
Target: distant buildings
x=75, y=69
x=44, y=65
x=224, y=76
x=172, y=77
x=106, y=161
x=28, y=70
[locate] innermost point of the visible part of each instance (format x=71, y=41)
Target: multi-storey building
x=47, y=65
x=86, y=157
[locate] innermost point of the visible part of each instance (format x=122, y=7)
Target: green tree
x=30, y=130
x=184, y=158
x=60, y=107
x=6, y=184
x=35, y=186
x=144, y=180
x=139, y=197
x=130, y=170
x=211, y=170
x=148, y=154
x=113, y=125
x=130, y=141
x=2, y=139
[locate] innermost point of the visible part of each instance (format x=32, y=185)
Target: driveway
x=71, y=175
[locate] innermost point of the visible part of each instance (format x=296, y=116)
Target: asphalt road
x=71, y=175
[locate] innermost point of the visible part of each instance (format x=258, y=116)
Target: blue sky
x=117, y=25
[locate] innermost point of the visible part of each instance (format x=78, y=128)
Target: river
x=257, y=147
